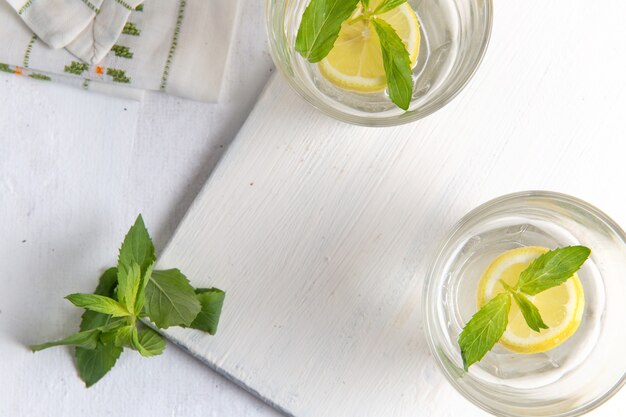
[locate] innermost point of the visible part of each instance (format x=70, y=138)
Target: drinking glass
x=454, y=34
x=568, y=380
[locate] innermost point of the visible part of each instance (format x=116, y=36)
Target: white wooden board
x=321, y=232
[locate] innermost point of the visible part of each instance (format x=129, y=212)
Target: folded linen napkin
x=176, y=46
x=87, y=28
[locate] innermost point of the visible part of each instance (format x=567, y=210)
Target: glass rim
x=426, y=296
x=404, y=118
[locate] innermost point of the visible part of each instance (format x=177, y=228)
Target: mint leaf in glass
x=552, y=269
x=387, y=5
x=529, y=311
x=484, y=329
x=397, y=64
x=320, y=26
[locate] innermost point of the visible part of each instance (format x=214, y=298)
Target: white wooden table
x=76, y=168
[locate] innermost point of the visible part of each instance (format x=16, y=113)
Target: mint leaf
x=552, y=269
x=366, y=3
x=320, y=26
x=211, y=300
x=170, y=299
x=484, y=329
x=106, y=286
x=397, y=64
x=93, y=364
x=128, y=282
x=98, y=303
x=137, y=247
x=147, y=342
x=141, y=294
x=387, y=5
x=530, y=312
x=123, y=335
x=87, y=339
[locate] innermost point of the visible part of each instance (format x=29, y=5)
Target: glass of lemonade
x=580, y=373
x=450, y=40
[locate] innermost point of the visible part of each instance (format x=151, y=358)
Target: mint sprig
x=484, y=329
x=127, y=293
x=551, y=269
x=488, y=325
x=387, y=5
x=320, y=27
x=397, y=64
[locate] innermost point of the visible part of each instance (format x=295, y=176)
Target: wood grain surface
x=321, y=232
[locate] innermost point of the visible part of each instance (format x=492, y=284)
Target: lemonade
x=444, y=42
x=574, y=359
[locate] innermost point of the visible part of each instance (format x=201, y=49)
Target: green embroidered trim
x=6, y=68
x=40, y=77
x=125, y=5
x=86, y=84
x=170, y=55
x=91, y=6
x=139, y=8
x=25, y=6
x=122, y=51
x=76, y=68
x=131, y=29
x=119, y=76
x=28, y=49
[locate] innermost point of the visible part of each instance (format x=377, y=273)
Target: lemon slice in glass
x=560, y=307
x=355, y=63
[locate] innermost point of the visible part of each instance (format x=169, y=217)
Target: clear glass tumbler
x=454, y=34
x=568, y=380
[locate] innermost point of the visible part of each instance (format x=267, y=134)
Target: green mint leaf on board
x=529, y=311
x=211, y=300
x=141, y=294
x=484, y=329
x=137, y=247
x=552, y=269
x=87, y=339
x=123, y=336
x=170, y=299
x=147, y=342
x=122, y=296
x=98, y=303
x=320, y=26
x=387, y=5
x=397, y=64
x=106, y=287
x=93, y=364
x=128, y=282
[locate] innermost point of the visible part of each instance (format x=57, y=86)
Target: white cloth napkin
x=176, y=46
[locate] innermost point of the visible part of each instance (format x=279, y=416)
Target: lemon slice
x=560, y=307
x=355, y=63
